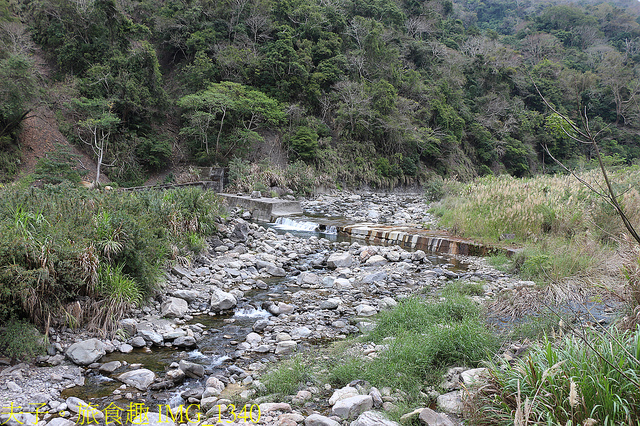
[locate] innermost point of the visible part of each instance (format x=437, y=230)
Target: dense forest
x=365, y=91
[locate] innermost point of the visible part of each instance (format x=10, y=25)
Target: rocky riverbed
x=258, y=296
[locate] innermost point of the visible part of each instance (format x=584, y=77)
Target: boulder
x=365, y=310
x=431, y=418
x=140, y=379
x=110, y=367
x=274, y=270
x=343, y=393
x=86, y=352
x=318, y=420
x=240, y=232
x=329, y=304
x=375, y=277
x=154, y=419
x=185, y=342
x=450, y=402
x=174, y=307
x=18, y=419
x=176, y=376
x=340, y=260
x=222, y=301
x=376, y=260
x=191, y=369
x=352, y=407
x=286, y=347
x=188, y=295
x=308, y=278
x=373, y=418
x=151, y=337
x=300, y=333
x=59, y=421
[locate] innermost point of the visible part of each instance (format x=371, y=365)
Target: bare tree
x=584, y=135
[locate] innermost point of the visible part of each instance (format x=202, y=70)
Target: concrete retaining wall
x=264, y=209
x=429, y=241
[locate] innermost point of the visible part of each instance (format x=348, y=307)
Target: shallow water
x=216, y=348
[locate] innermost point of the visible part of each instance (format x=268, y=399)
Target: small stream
x=221, y=334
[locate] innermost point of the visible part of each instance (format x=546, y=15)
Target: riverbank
x=257, y=297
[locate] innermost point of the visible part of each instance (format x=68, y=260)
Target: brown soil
x=40, y=132
x=40, y=135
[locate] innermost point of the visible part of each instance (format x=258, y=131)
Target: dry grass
x=532, y=208
x=574, y=242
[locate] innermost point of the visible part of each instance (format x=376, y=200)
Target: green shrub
x=63, y=243
x=434, y=189
x=153, y=153
x=21, y=340
x=58, y=166
x=304, y=144
x=117, y=286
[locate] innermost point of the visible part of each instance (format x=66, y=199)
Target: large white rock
x=59, y=421
x=474, y=377
x=188, y=295
x=429, y=417
x=340, y=260
x=376, y=260
x=365, y=310
x=174, y=307
x=140, y=379
x=222, y=301
x=450, y=402
x=373, y=418
x=18, y=419
x=352, y=407
x=343, y=393
x=308, y=278
x=86, y=352
x=318, y=420
x=286, y=347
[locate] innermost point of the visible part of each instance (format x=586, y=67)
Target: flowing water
x=216, y=350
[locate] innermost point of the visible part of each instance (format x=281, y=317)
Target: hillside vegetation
x=374, y=92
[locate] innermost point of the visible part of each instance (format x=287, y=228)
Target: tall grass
x=592, y=379
x=60, y=243
x=567, y=229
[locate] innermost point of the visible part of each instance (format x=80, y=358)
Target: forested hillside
x=365, y=91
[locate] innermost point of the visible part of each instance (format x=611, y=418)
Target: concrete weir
x=264, y=209
x=422, y=239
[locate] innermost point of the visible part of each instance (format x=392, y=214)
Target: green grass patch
x=289, y=377
x=595, y=376
x=423, y=338
x=501, y=262
x=413, y=315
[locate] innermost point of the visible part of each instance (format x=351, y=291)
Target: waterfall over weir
x=289, y=224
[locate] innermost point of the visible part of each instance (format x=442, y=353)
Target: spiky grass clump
x=593, y=378
x=56, y=240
